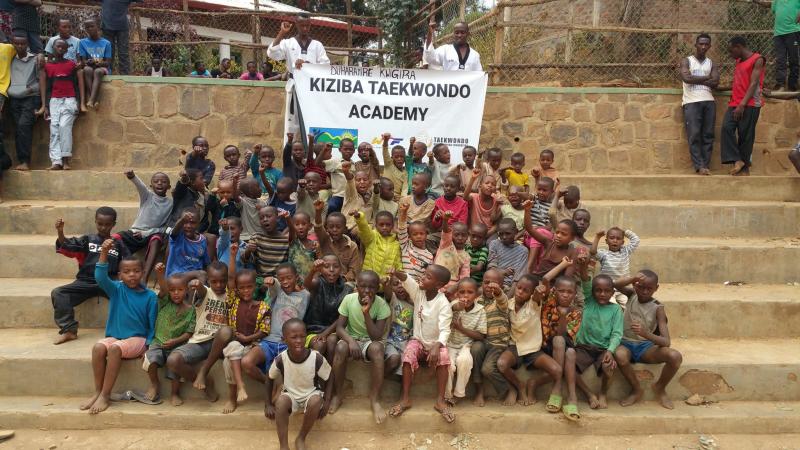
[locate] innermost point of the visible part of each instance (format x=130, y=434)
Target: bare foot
x=176, y=400
x=66, y=166
x=88, y=403
x=479, y=400
x=530, y=388
x=662, y=397
x=377, y=412
x=100, y=405
x=152, y=392
x=66, y=337
x=524, y=400
x=705, y=171
x=593, y=402
x=300, y=443
x=511, y=398
x=241, y=394
x=632, y=399
x=229, y=407
x=23, y=167
x=200, y=381
x=602, y=402
x=210, y=392
x=55, y=167
x=737, y=166
x=336, y=402
x=84, y=108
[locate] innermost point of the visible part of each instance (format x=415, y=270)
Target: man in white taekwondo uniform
x=296, y=51
x=455, y=56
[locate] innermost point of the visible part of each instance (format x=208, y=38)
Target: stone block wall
x=591, y=130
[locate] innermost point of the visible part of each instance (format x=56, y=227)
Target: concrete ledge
x=61, y=413
x=719, y=369
x=707, y=311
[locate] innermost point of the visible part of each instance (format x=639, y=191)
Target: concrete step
x=676, y=260
x=509, y=423
x=706, y=260
x=446, y=439
x=695, y=310
x=113, y=186
x=725, y=370
x=686, y=218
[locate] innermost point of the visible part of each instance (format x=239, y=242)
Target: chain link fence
x=619, y=42
x=632, y=43
x=211, y=30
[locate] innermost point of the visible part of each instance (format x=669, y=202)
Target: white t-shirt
x=431, y=318
x=526, y=326
x=299, y=377
x=338, y=180
x=289, y=50
x=693, y=93
x=212, y=314
x=448, y=58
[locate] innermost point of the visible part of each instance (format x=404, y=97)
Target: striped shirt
x=474, y=320
x=540, y=214
x=415, y=259
x=235, y=174
x=498, y=322
x=271, y=251
x=477, y=255
x=618, y=264
x=504, y=257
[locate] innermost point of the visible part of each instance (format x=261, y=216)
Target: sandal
x=553, y=404
x=571, y=412
x=447, y=414
x=398, y=410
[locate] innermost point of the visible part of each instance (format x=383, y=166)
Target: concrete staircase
x=741, y=344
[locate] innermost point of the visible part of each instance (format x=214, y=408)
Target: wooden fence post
x=256, y=21
x=349, y=8
x=499, y=37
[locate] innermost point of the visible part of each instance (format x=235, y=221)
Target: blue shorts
x=271, y=351
x=637, y=349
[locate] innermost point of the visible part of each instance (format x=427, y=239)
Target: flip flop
x=553, y=404
x=571, y=412
x=134, y=396
x=6, y=434
x=447, y=414
x=398, y=410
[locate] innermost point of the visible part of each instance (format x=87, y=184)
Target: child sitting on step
x=432, y=321
x=174, y=326
x=188, y=249
x=360, y=328
x=645, y=339
x=616, y=261
x=469, y=325
x=130, y=326
x=148, y=228
x=198, y=160
x=327, y=288
x=302, y=373
x=85, y=249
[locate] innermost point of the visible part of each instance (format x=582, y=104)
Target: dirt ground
x=263, y=440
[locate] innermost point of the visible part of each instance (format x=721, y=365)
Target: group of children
x=474, y=269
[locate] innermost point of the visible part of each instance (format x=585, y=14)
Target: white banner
x=362, y=103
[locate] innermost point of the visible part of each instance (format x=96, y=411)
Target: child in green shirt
x=599, y=334
x=174, y=326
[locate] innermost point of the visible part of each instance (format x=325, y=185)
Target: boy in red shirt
x=63, y=104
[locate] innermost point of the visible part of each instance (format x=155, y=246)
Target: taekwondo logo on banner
x=362, y=103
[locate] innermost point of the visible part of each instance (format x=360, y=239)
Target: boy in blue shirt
x=95, y=52
x=130, y=326
x=261, y=165
x=188, y=249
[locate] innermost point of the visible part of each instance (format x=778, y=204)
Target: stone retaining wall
x=592, y=130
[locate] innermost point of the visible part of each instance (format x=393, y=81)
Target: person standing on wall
x=296, y=51
x=699, y=76
x=739, y=124
x=114, y=23
x=786, y=39
x=456, y=56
